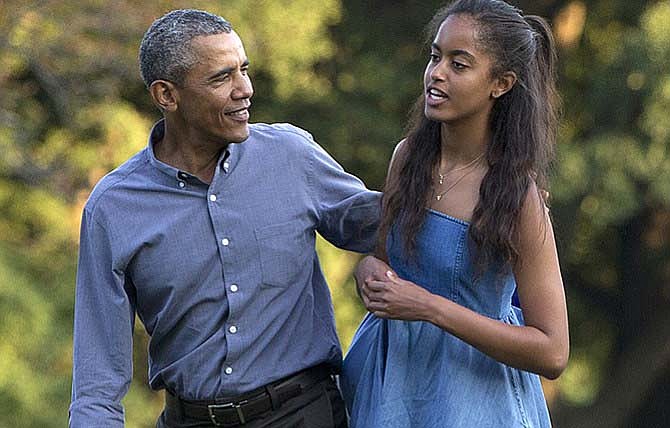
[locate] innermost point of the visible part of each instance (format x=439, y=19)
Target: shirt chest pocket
x=284, y=254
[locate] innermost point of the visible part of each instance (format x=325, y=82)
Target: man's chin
x=238, y=137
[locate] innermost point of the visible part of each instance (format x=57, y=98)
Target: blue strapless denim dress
x=400, y=374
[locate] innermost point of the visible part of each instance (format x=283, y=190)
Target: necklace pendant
x=438, y=197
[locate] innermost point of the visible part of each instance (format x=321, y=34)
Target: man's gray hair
x=165, y=51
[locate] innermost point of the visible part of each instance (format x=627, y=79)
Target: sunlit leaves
x=656, y=25
x=118, y=131
x=287, y=39
x=28, y=346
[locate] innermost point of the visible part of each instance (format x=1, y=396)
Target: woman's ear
x=165, y=95
x=503, y=84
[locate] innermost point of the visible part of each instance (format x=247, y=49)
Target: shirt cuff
x=98, y=413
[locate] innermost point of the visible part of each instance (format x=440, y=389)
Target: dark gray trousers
x=320, y=406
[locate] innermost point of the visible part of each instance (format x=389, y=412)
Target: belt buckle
x=237, y=406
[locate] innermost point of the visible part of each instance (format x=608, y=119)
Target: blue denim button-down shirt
x=223, y=276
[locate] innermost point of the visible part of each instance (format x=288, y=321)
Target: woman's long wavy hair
x=523, y=125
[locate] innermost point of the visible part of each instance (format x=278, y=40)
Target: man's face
x=215, y=97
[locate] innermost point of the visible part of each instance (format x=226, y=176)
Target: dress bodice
x=444, y=264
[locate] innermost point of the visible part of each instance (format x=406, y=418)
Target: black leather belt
x=227, y=412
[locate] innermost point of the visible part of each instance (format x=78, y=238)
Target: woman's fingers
x=376, y=305
x=374, y=296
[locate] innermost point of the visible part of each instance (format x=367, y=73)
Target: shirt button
x=182, y=184
x=228, y=370
x=234, y=288
x=212, y=198
x=226, y=165
x=225, y=242
x=232, y=329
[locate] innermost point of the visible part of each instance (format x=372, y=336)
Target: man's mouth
x=239, y=114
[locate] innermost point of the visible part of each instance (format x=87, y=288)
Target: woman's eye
x=458, y=66
x=434, y=57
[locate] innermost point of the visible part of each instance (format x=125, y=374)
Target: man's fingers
x=371, y=266
x=376, y=286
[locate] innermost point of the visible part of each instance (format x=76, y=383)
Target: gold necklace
x=461, y=168
x=469, y=168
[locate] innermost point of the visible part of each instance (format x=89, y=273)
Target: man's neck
x=188, y=153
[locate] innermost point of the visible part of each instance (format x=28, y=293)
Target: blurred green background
x=72, y=107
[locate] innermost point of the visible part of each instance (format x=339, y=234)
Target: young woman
x=464, y=226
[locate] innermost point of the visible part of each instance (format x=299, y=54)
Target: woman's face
x=457, y=82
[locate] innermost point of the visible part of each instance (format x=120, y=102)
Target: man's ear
x=165, y=95
x=504, y=83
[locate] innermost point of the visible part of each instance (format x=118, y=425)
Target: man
x=208, y=236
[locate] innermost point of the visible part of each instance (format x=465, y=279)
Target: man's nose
x=243, y=89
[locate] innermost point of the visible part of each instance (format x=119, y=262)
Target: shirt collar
x=156, y=134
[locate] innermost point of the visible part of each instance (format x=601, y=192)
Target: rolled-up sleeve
x=103, y=325
x=349, y=213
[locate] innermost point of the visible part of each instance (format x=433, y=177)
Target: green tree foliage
x=612, y=200
x=73, y=107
